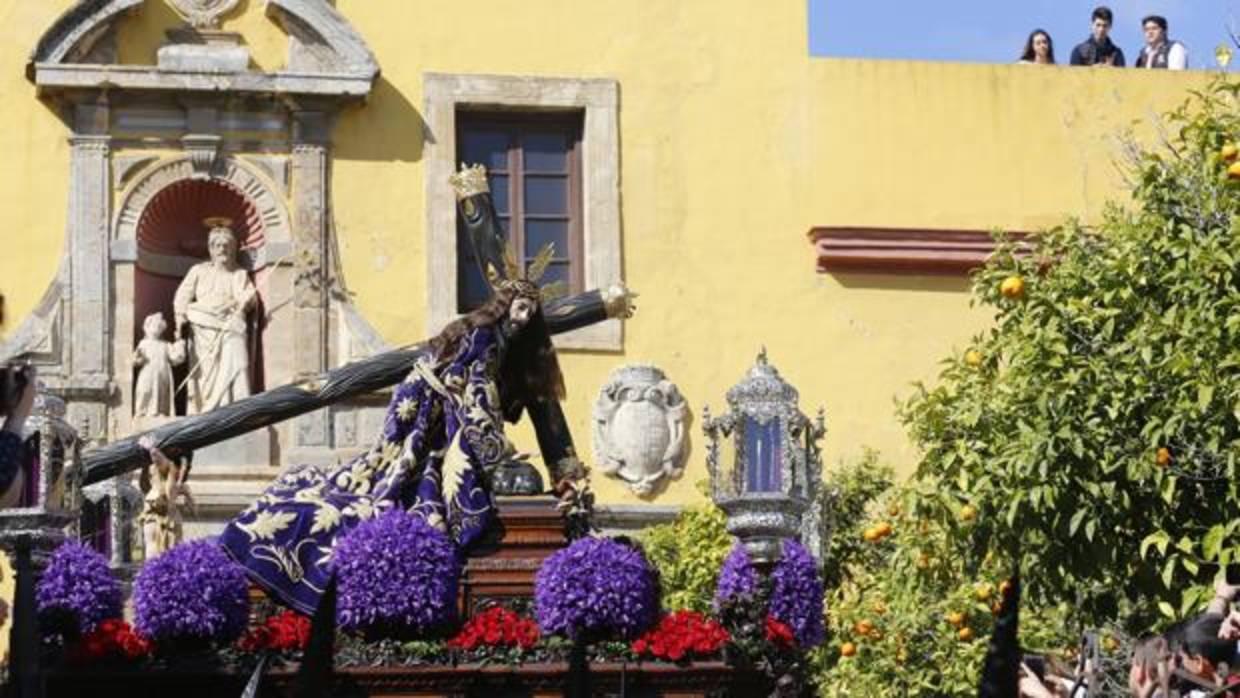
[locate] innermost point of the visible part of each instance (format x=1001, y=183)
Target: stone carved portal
x=155, y=149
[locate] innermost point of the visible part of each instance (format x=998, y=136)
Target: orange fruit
x=863, y=627
x=973, y=357
x=955, y=619
x=983, y=591
x=968, y=513
x=1005, y=587
x=1012, y=287
x=848, y=649
x=1233, y=170
x=1163, y=458
x=871, y=534
x=1228, y=152
x=995, y=607
x=965, y=634
x=883, y=529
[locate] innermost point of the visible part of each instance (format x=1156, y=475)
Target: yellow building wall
x=734, y=142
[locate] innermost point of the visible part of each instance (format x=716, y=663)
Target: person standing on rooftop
x=1098, y=49
x=1159, y=51
x=1039, y=48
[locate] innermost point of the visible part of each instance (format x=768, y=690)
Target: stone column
x=310, y=304
x=88, y=250
x=309, y=242
x=87, y=361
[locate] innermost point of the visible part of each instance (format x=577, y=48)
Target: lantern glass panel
x=763, y=455
x=55, y=477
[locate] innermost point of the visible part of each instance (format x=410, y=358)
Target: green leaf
x=1205, y=393
x=1158, y=539
x=1075, y=523
x=1167, y=609
x=1168, y=489
x=1212, y=543
x=1168, y=571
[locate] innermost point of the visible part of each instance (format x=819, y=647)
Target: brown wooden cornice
x=900, y=250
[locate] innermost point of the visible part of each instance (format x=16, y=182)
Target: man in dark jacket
x=1098, y=49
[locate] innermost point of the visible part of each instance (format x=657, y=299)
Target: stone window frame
x=598, y=99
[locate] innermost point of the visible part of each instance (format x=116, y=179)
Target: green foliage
x=846, y=495
x=895, y=596
x=1125, y=341
x=688, y=553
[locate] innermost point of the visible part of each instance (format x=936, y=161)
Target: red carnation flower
x=779, y=633
x=680, y=635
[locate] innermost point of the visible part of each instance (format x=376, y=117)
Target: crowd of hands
x=1194, y=659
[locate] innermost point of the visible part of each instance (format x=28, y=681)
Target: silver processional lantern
x=764, y=461
x=51, y=481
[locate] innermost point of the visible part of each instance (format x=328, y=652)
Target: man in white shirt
x=1160, y=52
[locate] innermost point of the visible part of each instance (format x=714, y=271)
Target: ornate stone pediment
x=326, y=55
x=639, y=428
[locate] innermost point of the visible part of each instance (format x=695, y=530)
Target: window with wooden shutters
x=533, y=162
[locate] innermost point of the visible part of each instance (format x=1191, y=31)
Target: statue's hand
x=568, y=468
x=576, y=505
x=157, y=456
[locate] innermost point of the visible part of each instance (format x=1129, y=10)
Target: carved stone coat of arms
x=639, y=427
x=203, y=14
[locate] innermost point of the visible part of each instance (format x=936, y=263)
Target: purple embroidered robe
x=442, y=426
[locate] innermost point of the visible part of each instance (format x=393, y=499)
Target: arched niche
x=171, y=238
x=159, y=234
x=265, y=213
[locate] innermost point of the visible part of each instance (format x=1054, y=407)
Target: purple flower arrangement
x=796, y=589
x=77, y=591
x=191, y=595
x=596, y=588
x=396, y=576
x=737, y=577
x=797, y=595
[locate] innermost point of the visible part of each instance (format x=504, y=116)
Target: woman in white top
x=1039, y=48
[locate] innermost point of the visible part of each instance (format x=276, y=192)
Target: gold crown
x=469, y=181
x=217, y=222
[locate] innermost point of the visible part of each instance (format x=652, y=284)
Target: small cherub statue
x=166, y=499
x=155, y=357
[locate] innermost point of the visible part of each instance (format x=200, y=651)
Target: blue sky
x=994, y=31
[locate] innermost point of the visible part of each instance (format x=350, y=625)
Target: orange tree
x=1092, y=431
x=907, y=614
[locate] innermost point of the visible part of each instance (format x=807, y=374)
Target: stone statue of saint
x=154, y=357
x=213, y=300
